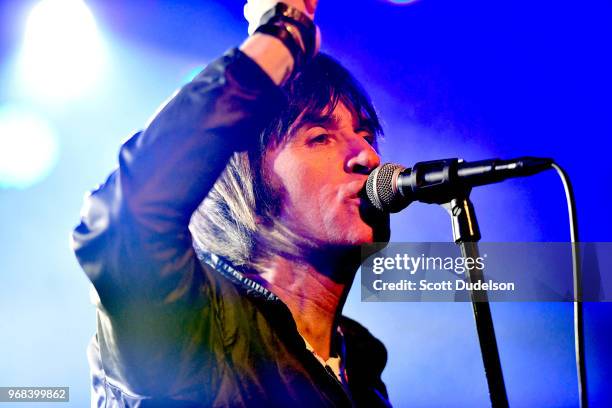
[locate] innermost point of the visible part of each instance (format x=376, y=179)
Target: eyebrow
x=317, y=119
x=330, y=121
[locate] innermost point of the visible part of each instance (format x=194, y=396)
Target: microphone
x=392, y=187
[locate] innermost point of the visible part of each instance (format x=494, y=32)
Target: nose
x=363, y=158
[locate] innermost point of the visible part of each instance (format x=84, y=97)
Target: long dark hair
x=238, y=219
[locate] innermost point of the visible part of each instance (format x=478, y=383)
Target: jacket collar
x=232, y=273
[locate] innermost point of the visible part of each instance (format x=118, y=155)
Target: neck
x=313, y=292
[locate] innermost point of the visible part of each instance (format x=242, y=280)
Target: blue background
x=470, y=79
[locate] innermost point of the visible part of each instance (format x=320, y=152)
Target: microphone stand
x=467, y=234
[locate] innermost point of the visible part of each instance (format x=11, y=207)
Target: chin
x=363, y=234
x=374, y=240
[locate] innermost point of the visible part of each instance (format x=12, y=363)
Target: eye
x=323, y=138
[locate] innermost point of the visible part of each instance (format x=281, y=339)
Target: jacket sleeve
x=153, y=297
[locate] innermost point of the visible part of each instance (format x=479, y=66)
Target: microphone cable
x=577, y=278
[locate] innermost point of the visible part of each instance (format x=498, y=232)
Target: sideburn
x=268, y=199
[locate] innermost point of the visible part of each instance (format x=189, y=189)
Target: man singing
x=223, y=247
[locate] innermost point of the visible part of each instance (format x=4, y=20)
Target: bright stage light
x=62, y=53
x=403, y=2
x=28, y=148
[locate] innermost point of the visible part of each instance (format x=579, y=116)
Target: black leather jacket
x=176, y=328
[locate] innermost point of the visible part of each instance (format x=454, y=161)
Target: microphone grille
x=380, y=186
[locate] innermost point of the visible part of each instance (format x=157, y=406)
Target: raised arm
x=133, y=241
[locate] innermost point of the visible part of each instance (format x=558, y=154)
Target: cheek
x=307, y=184
x=303, y=189
x=313, y=202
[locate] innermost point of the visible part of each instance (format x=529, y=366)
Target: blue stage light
x=28, y=147
x=403, y=2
